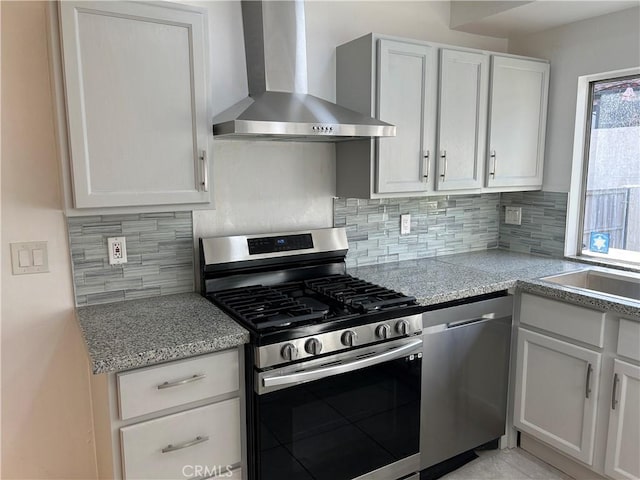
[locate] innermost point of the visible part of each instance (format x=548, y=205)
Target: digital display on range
x=280, y=244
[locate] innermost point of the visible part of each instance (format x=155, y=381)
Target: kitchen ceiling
x=505, y=19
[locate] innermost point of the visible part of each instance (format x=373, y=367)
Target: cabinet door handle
x=443, y=156
x=204, y=184
x=494, y=163
x=587, y=390
x=426, y=164
x=614, y=402
x=180, y=446
x=177, y=383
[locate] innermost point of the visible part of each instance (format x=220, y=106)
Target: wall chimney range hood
x=278, y=106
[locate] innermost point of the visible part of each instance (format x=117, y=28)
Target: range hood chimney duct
x=278, y=106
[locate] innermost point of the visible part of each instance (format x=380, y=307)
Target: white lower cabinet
x=205, y=439
x=178, y=420
x=556, y=393
x=577, y=387
x=623, y=458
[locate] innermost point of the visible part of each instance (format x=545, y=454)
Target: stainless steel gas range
x=333, y=368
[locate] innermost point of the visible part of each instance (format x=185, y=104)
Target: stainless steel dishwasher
x=465, y=376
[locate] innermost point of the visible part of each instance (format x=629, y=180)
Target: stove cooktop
x=309, y=302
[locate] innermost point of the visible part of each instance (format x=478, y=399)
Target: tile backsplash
x=439, y=226
x=159, y=252
x=544, y=217
x=161, y=255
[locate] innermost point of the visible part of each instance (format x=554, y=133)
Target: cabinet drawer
x=203, y=440
x=156, y=388
x=571, y=321
x=629, y=339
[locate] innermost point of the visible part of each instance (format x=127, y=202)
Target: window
x=608, y=199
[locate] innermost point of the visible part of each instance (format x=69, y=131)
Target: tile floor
x=508, y=464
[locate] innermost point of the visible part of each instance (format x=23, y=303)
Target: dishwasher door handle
x=470, y=321
x=441, y=327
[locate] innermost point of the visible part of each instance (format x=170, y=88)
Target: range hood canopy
x=278, y=106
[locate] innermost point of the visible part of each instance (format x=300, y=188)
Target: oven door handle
x=306, y=376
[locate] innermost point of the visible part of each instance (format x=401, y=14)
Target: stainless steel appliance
x=278, y=106
x=334, y=364
x=464, y=392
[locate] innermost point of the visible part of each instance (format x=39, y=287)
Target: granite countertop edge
x=466, y=293
x=579, y=297
x=168, y=354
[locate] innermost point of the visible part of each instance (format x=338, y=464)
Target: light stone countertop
x=464, y=275
x=138, y=333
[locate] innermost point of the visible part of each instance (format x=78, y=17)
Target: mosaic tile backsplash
x=439, y=226
x=544, y=217
x=159, y=253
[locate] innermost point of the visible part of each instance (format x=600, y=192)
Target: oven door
x=344, y=416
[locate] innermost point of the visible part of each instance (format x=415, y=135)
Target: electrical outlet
x=405, y=224
x=513, y=215
x=117, y=247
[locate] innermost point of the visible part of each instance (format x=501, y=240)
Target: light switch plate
x=513, y=215
x=29, y=257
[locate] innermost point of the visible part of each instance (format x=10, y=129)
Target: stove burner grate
x=266, y=307
x=359, y=294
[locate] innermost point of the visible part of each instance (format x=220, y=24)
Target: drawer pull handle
x=177, y=383
x=614, y=402
x=588, y=382
x=180, y=446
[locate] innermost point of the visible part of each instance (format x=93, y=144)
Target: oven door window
x=342, y=426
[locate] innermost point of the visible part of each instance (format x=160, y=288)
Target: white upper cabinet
x=405, y=91
x=462, y=119
x=517, y=122
x=135, y=85
x=449, y=116
x=396, y=82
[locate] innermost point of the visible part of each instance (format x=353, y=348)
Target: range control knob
x=313, y=346
x=289, y=351
x=349, y=338
x=402, y=327
x=383, y=331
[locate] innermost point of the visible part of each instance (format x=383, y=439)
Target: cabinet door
x=556, y=393
x=517, y=122
x=406, y=98
x=462, y=119
x=136, y=102
x=622, y=459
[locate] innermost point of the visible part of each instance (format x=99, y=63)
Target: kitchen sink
x=620, y=284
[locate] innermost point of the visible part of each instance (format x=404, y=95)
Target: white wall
x=601, y=44
x=46, y=415
x=330, y=24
